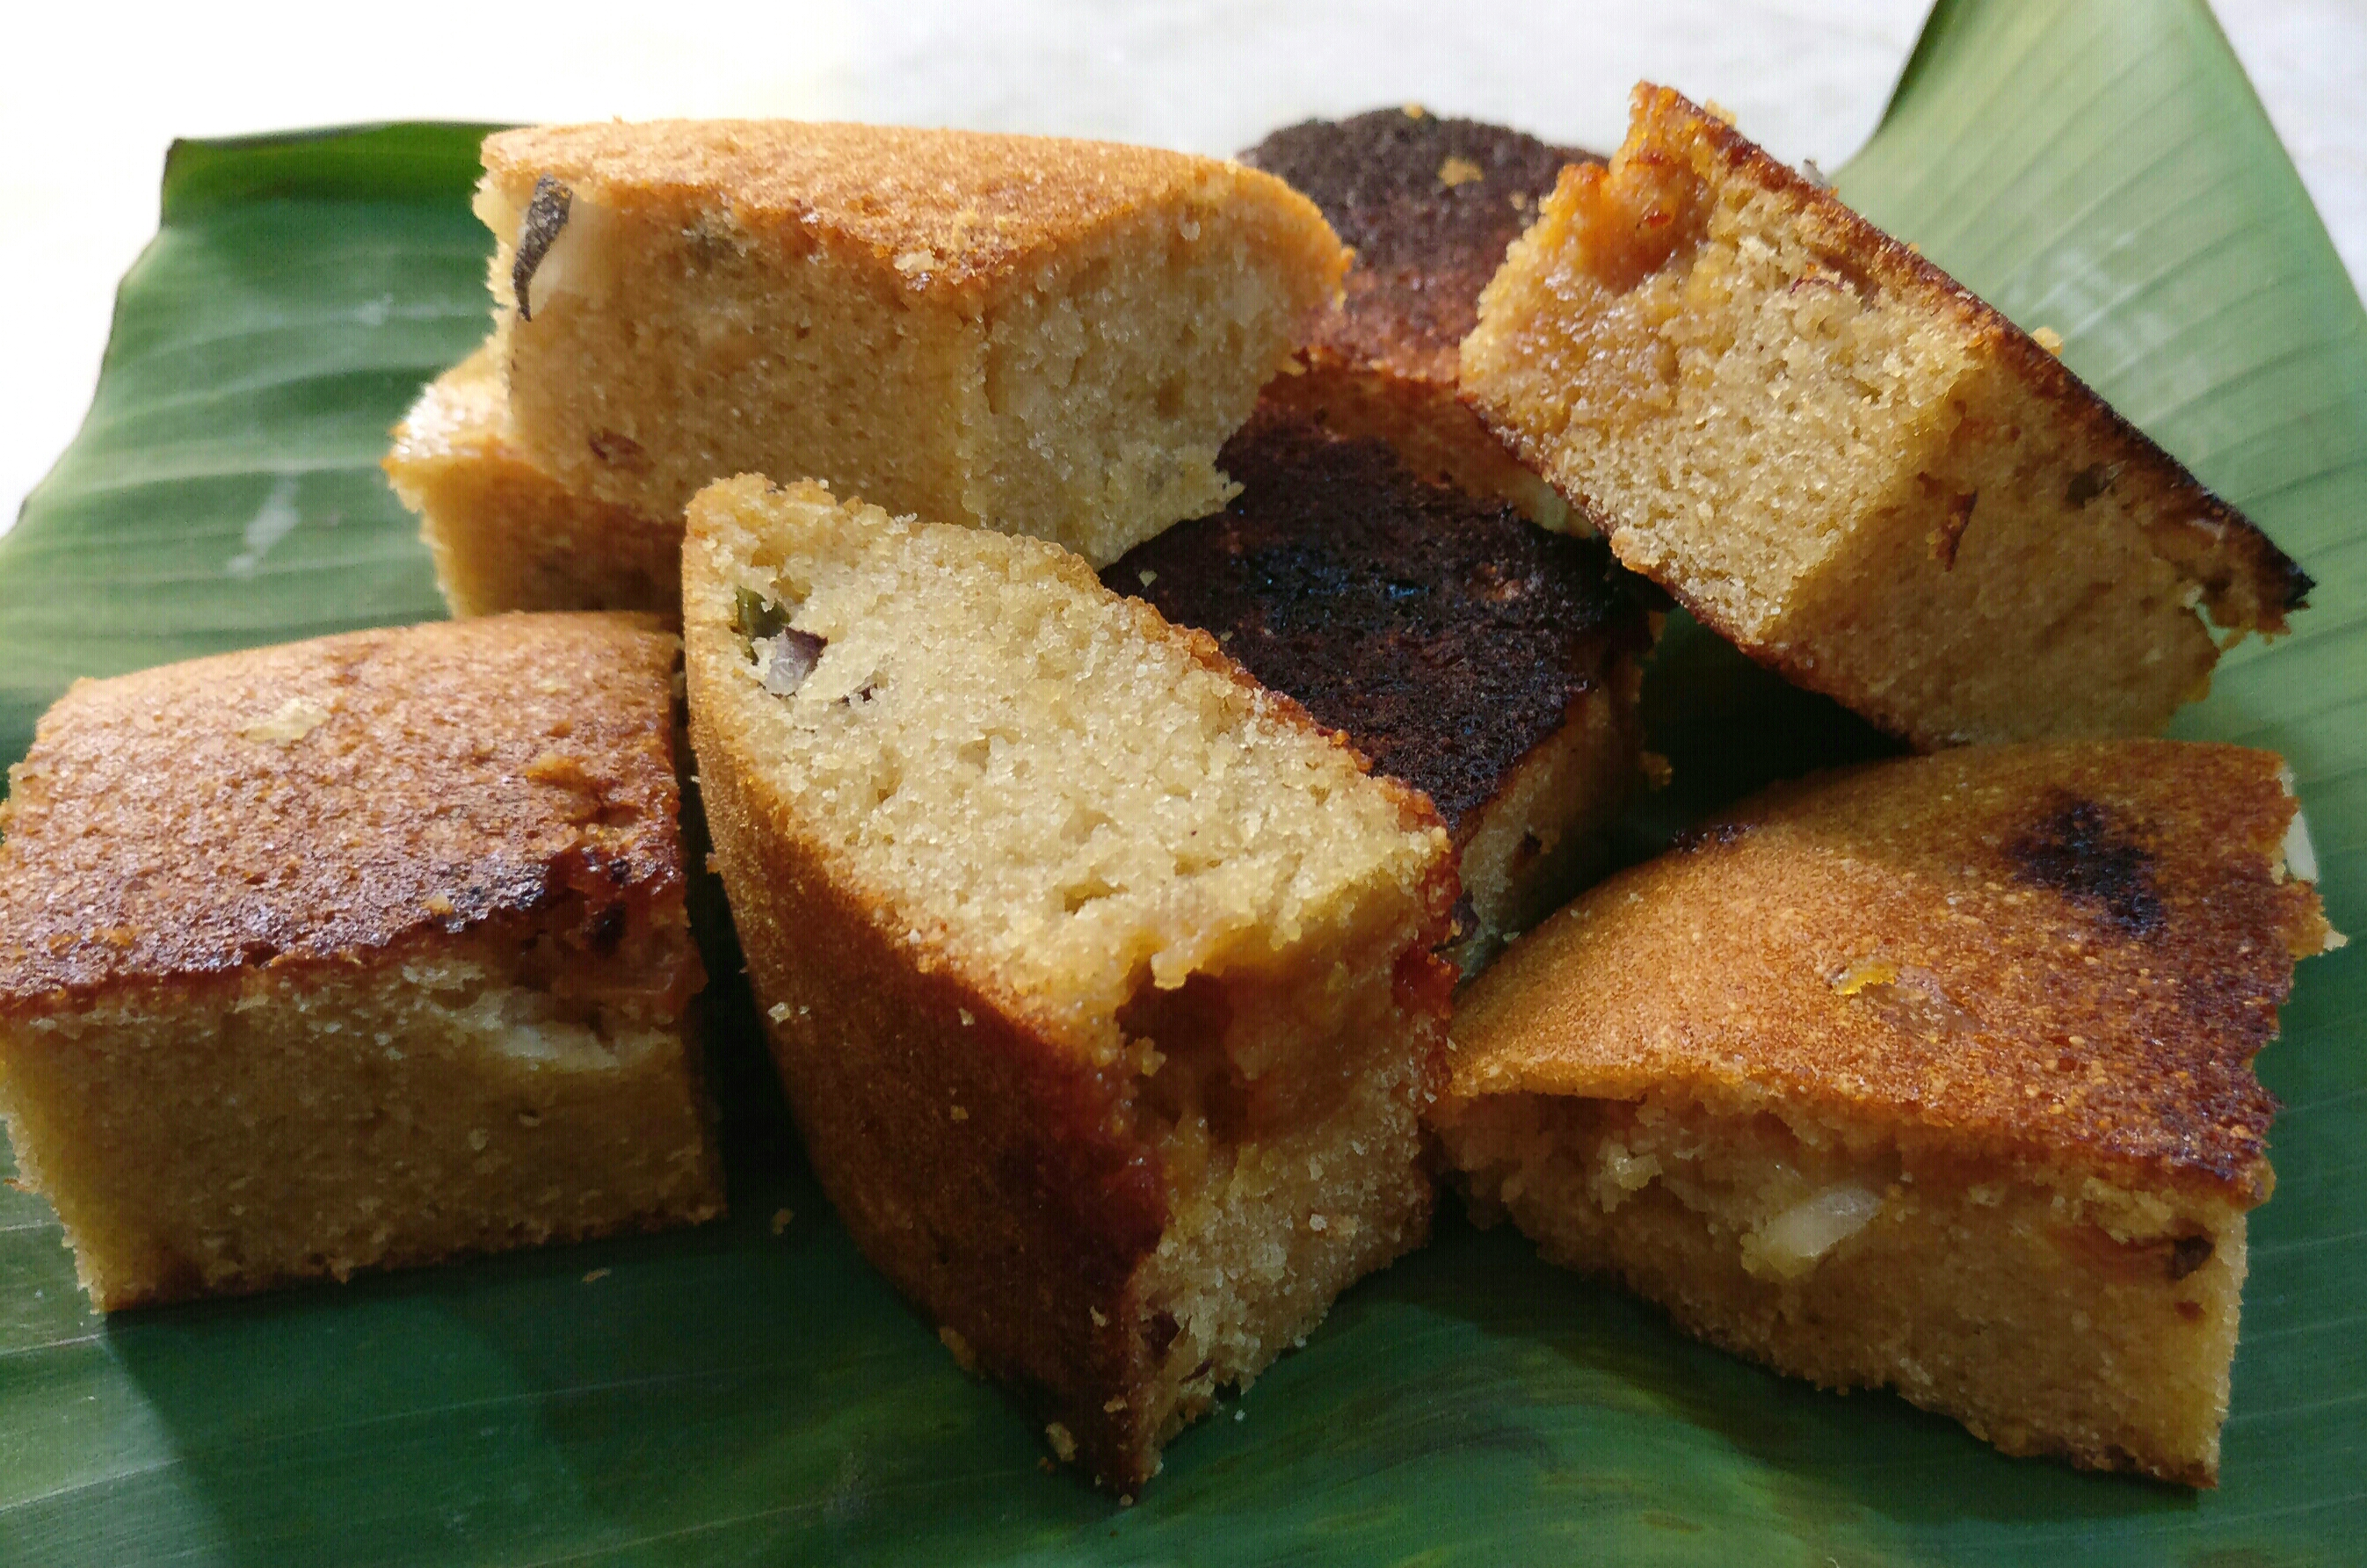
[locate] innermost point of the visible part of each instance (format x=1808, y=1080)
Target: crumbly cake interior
x=1965, y=560
x=1112, y=377
x=1083, y=400
x=487, y=1092
x=1152, y=862
x=506, y=536
x=2049, y=1312
x=1129, y=810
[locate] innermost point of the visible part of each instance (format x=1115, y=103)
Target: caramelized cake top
x=1429, y=205
x=2064, y=954
x=1445, y=635
x=312, y=801
x=946, y=209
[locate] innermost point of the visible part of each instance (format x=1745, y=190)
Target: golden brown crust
x=2247, y=582
x=306, y=804
x=2063, y=955
x=948, y=208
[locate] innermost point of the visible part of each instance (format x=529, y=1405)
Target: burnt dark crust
x=1428, y=204
x=1445, y=635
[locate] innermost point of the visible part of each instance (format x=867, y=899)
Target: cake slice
x=1010, y=332
x=504, y=534
x=1488, y=664
x=354, y=953
x=1837, y=458
x=1099, y=977
x=1934, y=1074
x=1428, y=204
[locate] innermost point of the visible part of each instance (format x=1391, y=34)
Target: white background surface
x=90, y=96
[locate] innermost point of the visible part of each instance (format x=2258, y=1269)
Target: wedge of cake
x=1428, y=204
x=1933, y=1074
x=1488, y=664
x=1018, y=332
x=354, y=953
x=504, y=534
x=1099, y=977
x=1845, y=463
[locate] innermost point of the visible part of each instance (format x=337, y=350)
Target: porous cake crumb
x=1933, y=1075
x=1007, y=843
x=1018, y=332
x=354, y=953
x=1843, y=463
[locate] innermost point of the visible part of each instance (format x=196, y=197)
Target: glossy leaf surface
x=751, y=1393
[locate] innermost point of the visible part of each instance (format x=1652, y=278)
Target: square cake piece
x=1488, y=664
x=1100, y=978
x=1018, y=332
x=505, y=535
x=354, y=953
x=1844, y=464
x=1428, y=204
x=1934, y=1075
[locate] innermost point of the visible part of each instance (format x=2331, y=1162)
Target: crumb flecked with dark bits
x=545, y=215
x=2082, y=850
x=1948, y=536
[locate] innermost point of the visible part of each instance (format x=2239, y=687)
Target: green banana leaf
x=751, y=1393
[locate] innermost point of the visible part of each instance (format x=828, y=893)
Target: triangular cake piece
x=1020, y=332
x=1843, y=463
x=1099, y=977
x=1935, y=1074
